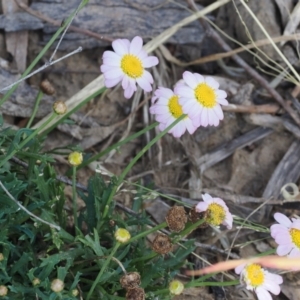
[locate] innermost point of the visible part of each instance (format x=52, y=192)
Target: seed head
x=36, y=281
x=162, y=244
x=130, y=280
x=74, y=292
x=135, y=293
x=46, y=87
x=176, y=218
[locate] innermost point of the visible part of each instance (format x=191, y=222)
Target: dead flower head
x=195, y=216
x=162, y=244
x=176, y=218
x=130, y=280
x=135, y=293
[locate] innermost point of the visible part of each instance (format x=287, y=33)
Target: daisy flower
x=166, y=108
x=200, y=98
x=286, y=235
x=127, y=65
x=216, y=211
x=259, y=280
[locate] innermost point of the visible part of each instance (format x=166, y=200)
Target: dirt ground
x=225, y=161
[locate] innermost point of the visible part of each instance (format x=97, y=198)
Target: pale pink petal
x=136, y=45
x=190, y=79
x=207, y=198
x=150, y=61
x=148, y=76
x=129, y=92
x=106, y=68
x=222, y=101
x=120, y=47
x=199, y=78
x=143, y=54
x=278, y=229
x=204, y=117
x=184, y=91
x=218, y=111
x=111, y=55
x=283, y=250
x=263, y=294
x=189, y=126
x=144, y=84
x=111, y=62
x=271, y=286
x=282, y=219
x=238, y=270
x=212, y=82
x=201, y=206
x=112, y=82
x=113, y=73
x=274, y=277
x=295, y=253
x=282, y=239
x=221, y=94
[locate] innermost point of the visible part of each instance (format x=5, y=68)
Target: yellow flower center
x=174, y=107
x=215, y=214
x=132, y=66
x=254, y=275
x=295, y=235
x=205, y=95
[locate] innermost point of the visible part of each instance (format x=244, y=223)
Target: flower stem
x=135, y=159
x=25, y=141
x=36, y=106
x=115, y=146
x=74, y=197
x=106, y=262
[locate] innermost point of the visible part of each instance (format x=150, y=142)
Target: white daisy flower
x=200, y=98
x=259, y=280
x=286, y=235
x=166, y=108
x=127, y=65
x=216, y=211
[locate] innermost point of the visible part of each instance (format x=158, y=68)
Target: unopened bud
x=46, y=87
x=36, y=281
x=59, y=107
x=162, y=244
x=3, y=290
x=74, y=292
x=57, y=285
x=122, y=235
x=176, y=287
x=75, y=158
x=135, y=293
x=176, y=218
x=1, y=256
x=130, y=280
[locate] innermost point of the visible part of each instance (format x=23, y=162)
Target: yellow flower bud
x=59, y=107
x=176, y=287
x=3, y=290
x=57, y=285
x=75, y=158
x=122, y=235
x=1, y=256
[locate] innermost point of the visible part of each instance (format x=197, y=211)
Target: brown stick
x=58, y=23
x=257, y=109
x=262, y=81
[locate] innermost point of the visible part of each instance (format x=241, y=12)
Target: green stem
x=74, y=196
x=44, y=50
x=36, y=106
x=188, y=230
x=145, y=233
x=116, y=145
x=135, y=159
x=28, y=139
x=61, y=118
x=106, y=262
